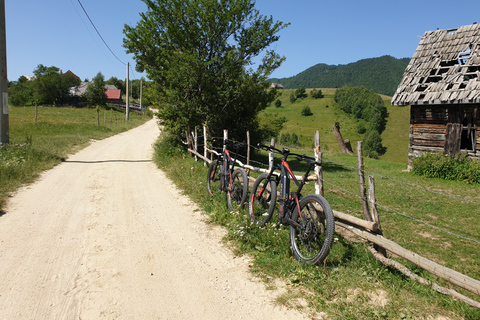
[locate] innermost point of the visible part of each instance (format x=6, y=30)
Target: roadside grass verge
x=351, y=284
x=38, y=146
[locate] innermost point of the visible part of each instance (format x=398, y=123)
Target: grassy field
x=326, y=112
x=39, y=145
x=352, y=284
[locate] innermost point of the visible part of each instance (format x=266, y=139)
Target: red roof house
x=113, y=95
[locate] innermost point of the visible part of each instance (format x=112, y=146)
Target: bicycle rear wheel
x=263, y=199
x=312, y=239
x=238, y=190
x=214, y=178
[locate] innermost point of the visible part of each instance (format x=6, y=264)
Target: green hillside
x=381, y=74
x=326, y=112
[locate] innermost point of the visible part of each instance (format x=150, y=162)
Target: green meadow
x=326, y=113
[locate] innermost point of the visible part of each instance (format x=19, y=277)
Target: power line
x=91, y=34
x=99, y=33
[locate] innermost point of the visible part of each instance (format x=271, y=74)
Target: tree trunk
x=341, y=143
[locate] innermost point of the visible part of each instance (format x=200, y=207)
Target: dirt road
x=105, y=235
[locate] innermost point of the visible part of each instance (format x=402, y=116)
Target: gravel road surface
x=105, y=235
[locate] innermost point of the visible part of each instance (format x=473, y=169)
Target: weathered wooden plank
x=428, y=143
x=429, y=136
x=431, y=126
x=421, y=131
x=450, y=275
x=426, y=149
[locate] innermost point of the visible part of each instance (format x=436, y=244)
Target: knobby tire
x=263, y=199
x=237, y=190
x=214, y=175
x=311, y=244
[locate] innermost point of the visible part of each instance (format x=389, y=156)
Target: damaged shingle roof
x=444, y=69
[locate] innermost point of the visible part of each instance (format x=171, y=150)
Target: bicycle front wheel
x=238, y=190
x=214, y=178
x=312, y=238
x=263, y=199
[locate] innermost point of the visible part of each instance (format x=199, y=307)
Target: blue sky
x=57, y=32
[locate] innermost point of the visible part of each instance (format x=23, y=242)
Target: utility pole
x=4, y=135
x=128, y=75
x=141, y=89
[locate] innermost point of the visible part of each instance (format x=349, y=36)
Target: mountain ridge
x=382, y=75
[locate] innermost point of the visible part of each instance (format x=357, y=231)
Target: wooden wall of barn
x=438, y=128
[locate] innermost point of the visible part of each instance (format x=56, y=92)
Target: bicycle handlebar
x=286, y=152
x=228, y=142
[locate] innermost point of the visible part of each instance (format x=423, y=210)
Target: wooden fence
x=369, y=228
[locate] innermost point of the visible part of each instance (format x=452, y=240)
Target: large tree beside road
x=210, y=60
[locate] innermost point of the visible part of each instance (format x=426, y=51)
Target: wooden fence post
x=204, y=145
x=318, y=169
x=225, y=137
x=374, y=213
x=195, y=143
x=271, y=154
x=188, y=140
x=361, y=176
x=248, y=153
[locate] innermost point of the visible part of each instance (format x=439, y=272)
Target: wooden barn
x=442, y=85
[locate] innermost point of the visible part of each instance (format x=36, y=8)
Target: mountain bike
x=223, y=177
x=310, y=217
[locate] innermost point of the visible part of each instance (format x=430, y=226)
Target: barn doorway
x=468, y=139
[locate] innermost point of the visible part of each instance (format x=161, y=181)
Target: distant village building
x=442, y=85
x=29, y=78
x=70, y=73
x=114, y=96
x=79, y=90
x=276, y=85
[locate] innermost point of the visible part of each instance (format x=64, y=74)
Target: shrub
x=361, y=129
x=278, y=103
x=292, y=98
x=300, y=93
x=372, y=144
x=459, y=168
x=306, y=111
x=316, y=94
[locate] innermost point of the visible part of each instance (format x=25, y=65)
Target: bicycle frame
x=228, y=167
x=288, y=201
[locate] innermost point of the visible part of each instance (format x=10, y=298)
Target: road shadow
x=2, y=213
x=107, y=161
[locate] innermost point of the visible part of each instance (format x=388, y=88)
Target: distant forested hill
x=382, y=75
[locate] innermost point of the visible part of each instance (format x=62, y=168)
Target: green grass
x=38, y=146
x=352, y=284
x=326, y=112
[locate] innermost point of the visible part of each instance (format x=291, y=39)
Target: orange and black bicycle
x=310, y=217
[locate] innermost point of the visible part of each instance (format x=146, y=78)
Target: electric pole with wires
x=4, y=135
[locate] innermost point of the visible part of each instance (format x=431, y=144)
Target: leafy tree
x=119, y=84
x=316, y=94
x=201, y=54
x=50, y=87
x=95, y=93
x=20, y=92
x=364, y=104
x=300, y=93
x=278, y=103
x=292, y=98
x=372, y=144
x=306, y=111
x=270, y=125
